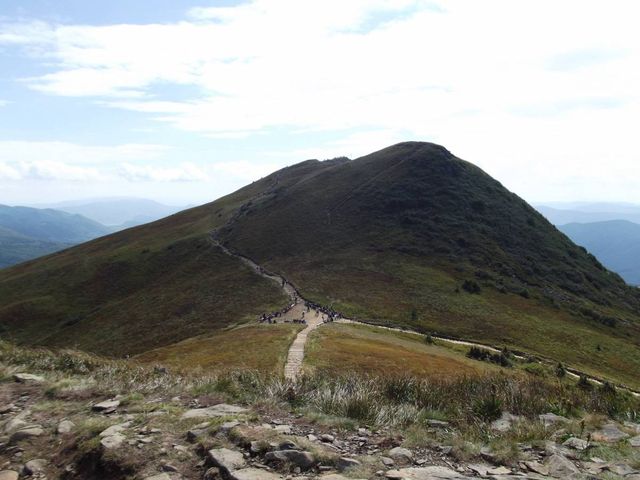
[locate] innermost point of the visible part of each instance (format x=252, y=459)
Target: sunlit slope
x=137, y=289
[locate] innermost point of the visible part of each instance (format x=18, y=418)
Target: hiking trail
x=316, y=318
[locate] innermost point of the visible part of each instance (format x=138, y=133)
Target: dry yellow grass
x=259, y=347
x=343, y=348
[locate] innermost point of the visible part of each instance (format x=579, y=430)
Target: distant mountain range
x=26, y=233
x=29, y=232
x=610, y=231
x=119, y=212
x=616, y=243
x=562, y=214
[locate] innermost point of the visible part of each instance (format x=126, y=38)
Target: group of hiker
x=272, y=317
x=330, y=313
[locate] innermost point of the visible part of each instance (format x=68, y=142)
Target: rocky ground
x=64, y=429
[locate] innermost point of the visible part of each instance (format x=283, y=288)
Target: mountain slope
x=27, y=233
x=616, y=243
x=394, y=237
x=409, y=235
x=141, y=288
x=16, y=248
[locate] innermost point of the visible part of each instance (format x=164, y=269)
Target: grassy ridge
x=335, y=347
x=262, y=348
x=396, y=235
x=137, y=289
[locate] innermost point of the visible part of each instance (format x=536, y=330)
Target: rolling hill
x=410, y=236
x=590, y=213
x=27, y=233
x=616, y=243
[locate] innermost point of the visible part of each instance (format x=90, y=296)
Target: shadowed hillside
x=413, y=236
x=410, y=236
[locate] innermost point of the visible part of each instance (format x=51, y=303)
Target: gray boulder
x=610, y=433
x=34, y=466
x=220, y=410
x=560, y=467
x=27, y=378
x=253, y=474
x=25, y=434
x=226, y=459
x=112, y=441
x=576, y=443
x=401, y=455
x=425, y=473
x=304, y=460
x=65, y=426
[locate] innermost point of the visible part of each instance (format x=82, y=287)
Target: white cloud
x=536, y=91
x=246, y=170
x=21, y=160
x=185, y=172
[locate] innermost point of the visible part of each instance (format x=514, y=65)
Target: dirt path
x=315, y=319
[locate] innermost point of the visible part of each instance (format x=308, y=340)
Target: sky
x=184, y=101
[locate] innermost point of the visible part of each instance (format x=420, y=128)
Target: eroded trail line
x=315, y=319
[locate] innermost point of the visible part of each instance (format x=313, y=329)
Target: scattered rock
x=284, y=429
x=325, y=437
x=635, y=441
x=401, y=455
x=388, y=462
x=212, y=474
x=537, y=467
x=619, y=468
x=610, y=433
x=114, y=429
x=27, y=378
x=14, y=424
x=226, y=426
x=288, y=445
x=8, y=475
x=437, y=423
x=253, y=474
x=34, y=466
x=334, y=476
x=560, y=467
x=160, y=476
x=499, y=471
x=65, y=426
x=220, y=410
x=225, y=459
x=425, y=473
x=481, y=470
x=108, y=406
x=112, y=441
x=576, y=443
x=304, y=460
x=346, y=462
x=26, y=433
x=505, y=422
x=549, y=419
